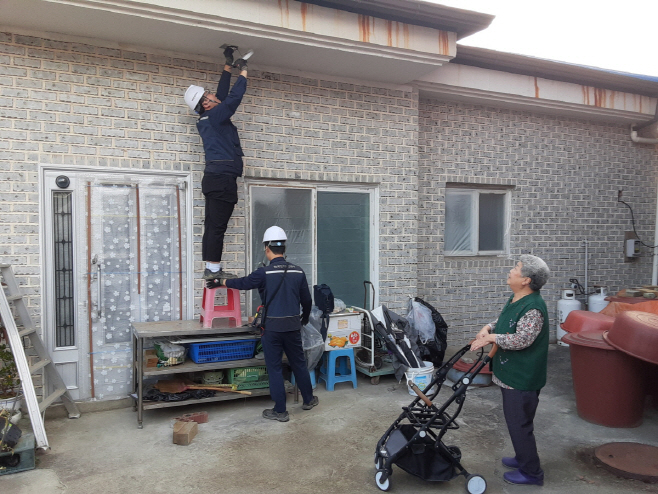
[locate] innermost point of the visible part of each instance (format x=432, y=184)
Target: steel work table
x=182, y=329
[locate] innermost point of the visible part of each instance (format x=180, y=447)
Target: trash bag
x=313, y=344
x=420, y=318
x=339, y=305
x=435, y=348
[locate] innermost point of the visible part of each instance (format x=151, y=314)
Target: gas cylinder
x=565, y=305
x=596, y=302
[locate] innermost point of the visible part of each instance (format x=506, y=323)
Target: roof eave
x=554, y=70
x=415, y=12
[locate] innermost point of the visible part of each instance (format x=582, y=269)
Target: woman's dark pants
x=519, y=408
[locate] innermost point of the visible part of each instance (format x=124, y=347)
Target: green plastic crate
x=249, y=377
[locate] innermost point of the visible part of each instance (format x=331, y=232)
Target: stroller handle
x=492, y=352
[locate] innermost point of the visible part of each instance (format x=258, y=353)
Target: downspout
x=654, y=273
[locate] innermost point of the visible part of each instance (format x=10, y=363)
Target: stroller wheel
x=475, y=484
x=384, y=484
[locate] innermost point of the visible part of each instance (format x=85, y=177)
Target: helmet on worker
x=194, y=97
x=274, y=236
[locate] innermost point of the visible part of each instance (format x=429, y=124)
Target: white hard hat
x=193, y=96
x=274, y=235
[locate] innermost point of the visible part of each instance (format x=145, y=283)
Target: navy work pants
x=519, y=408
x=218, y=214
x=290, y=342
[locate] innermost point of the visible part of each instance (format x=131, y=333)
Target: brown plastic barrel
x=610, y=385
x=653, y=384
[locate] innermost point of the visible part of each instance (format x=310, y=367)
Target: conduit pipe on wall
x=641, y=140
x=654, y=273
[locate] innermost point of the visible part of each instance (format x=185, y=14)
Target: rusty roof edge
x=555, y=70
x=415, y=12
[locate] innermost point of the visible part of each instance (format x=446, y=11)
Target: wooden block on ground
x=184, y=432
x=199, y=417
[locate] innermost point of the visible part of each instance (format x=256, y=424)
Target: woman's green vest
x=522, y=369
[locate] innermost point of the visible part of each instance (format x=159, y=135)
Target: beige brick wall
x=66, y=102
x=565, y=174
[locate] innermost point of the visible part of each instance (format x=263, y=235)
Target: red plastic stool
x=209, y=310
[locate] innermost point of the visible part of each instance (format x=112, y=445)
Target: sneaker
x=216, y=275
x=225, y=275
x=272, y=415
x=313, y=402
x=510, y=462
x=517, y=477
x=210, y=275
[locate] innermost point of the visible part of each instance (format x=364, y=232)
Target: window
x=330, y=234
x=477, y=221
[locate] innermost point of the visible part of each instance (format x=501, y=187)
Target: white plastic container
x=421, y=377
x=597, y=302
x=565, y=305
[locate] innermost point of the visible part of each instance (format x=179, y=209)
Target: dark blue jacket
x=221, y=142
x=283, y=311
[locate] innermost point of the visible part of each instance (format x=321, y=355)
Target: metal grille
x=63, y=257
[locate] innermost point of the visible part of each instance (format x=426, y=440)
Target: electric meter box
x=632, y=247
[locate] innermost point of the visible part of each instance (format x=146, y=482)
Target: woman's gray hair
x=535, y=268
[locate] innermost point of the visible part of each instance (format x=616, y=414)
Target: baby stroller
x=414, y=441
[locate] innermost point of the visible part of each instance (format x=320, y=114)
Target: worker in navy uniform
x=283, y=288
x=223, y=154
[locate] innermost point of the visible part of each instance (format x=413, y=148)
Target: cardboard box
x=344, y=331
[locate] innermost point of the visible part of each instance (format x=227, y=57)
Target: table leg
x=140, y=381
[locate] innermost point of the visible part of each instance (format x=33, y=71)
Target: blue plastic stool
x=334, y=368
x=311, y=373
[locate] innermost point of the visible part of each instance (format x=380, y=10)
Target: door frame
x=46, y=253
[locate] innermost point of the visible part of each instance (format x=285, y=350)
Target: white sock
x=213, y=266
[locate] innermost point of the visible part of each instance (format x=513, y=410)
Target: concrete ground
x=326, y=450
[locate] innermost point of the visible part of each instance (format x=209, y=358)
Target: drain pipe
x=654, y=274
x=586, y=242
x=641, y=140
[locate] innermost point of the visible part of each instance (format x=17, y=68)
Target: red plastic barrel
x=584, y=320
x=610, y=386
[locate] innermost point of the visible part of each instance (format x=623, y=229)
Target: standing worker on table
x=283, y=288
x=520, y=364
x=223, y=152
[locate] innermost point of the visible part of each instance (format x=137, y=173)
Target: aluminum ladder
x=25, y=371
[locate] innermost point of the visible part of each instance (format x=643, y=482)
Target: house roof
x=415, y=12
x=557, y=71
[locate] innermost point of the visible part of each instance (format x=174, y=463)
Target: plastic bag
x=339, y=305
x=420, y=317
x=313, y=345
x=315, y=318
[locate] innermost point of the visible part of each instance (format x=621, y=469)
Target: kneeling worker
x=283, y=288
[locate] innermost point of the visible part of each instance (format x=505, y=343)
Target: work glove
x=215, y=283
x=228, y=54
x=241, y=64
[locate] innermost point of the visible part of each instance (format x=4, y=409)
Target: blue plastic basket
x=200, y=353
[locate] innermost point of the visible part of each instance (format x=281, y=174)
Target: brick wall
x=66, y=102
x=565, y=174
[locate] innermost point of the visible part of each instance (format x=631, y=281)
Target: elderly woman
x=519, y=366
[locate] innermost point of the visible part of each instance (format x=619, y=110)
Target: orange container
x=610, y=386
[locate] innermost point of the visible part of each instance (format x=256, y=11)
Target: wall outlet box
x=632, y=247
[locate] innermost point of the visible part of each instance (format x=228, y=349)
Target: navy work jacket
x=283, y=311
x=221, y=142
